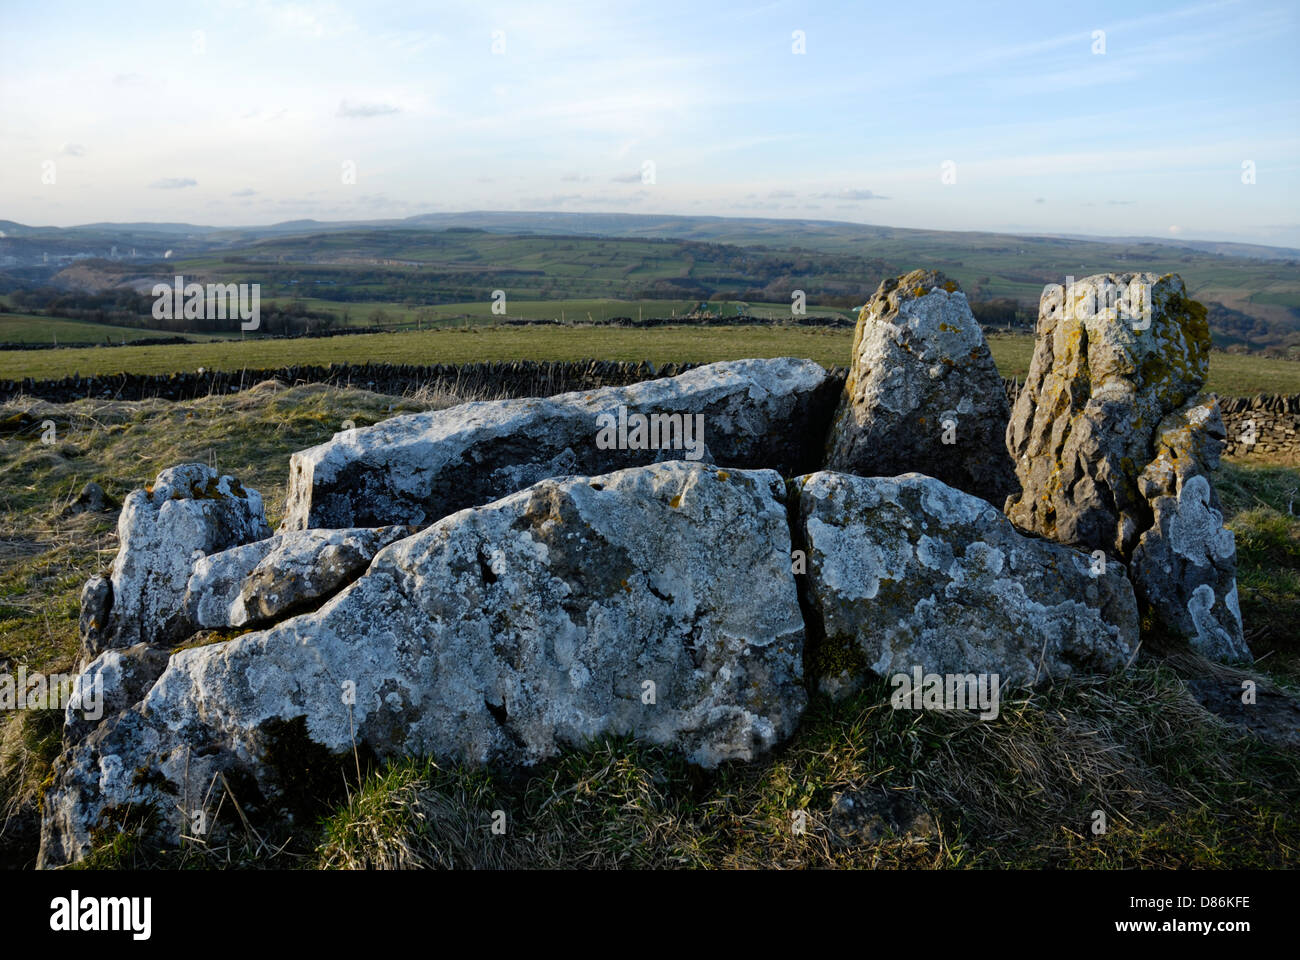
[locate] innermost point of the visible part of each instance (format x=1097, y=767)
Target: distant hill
x=1253, y=290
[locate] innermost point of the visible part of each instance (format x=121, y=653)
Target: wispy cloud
x=853, y=195
x=363, y=110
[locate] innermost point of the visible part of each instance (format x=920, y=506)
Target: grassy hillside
x=1230, y=374
x=1255, y=298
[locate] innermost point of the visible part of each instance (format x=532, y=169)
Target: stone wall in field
x=519, y=378
x=1275, y=418
x=1265, y=425
x=1271, y=422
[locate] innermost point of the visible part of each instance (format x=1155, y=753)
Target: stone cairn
x=684, y=560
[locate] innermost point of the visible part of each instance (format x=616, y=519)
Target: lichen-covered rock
x=188, y=512
x=907, y=571
x=1185, y=564
x=93, y=625
x=923, y=394
x=267, y=580
x=657, y=602
x=115, y=681
x=1108, y=433
x=418, y=468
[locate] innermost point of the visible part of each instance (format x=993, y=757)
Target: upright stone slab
x=419, y=468
x=1110, y=434
x=923, y=393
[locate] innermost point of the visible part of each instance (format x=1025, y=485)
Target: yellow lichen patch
x=951, y=286
x=675, y=502
x=723, y=475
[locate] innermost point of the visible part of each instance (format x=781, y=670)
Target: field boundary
x=1271, y=421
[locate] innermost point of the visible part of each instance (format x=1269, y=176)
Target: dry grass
x=1018, y=791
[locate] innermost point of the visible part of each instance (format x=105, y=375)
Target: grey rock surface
x=418, y=468
x=923, y=393
x=115, y=681
x=265, y=581
x=1185, y=564
x=1108, y=435
x=907, y=571
x=657, y=602
x=187, y=513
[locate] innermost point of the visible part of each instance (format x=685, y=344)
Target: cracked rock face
x=188, y=512
x=657, y=602
x=1185, y=564
x=923, y=394
x=264, y=581
x=907, y=571
x=419, y=468
x=1109, y=434
x=120, y=677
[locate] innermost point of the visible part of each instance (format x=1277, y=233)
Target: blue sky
x=246, y=111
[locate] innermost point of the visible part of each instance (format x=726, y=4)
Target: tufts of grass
x=1178, y=787
x=1262, y=508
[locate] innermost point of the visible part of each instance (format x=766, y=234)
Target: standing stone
x=923, y=393
x=1114, y=447
x=907, y=572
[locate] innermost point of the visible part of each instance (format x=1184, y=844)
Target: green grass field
x=405, y=316
x=1230, y=374
x=28, y=328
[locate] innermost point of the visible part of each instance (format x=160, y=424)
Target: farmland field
x=1230, y=374
x=407, y=316
x=27, y=328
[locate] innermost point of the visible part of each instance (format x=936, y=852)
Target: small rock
x=265, y=581
x=872, y=815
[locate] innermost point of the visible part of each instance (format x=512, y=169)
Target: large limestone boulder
x=267, y=580
x=1110, y=434
x=908, y=572
x=419, y=468
x=188, y=512
x=923, y=393
x=657, y=602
